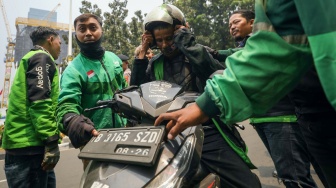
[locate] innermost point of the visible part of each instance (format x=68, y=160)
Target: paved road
x=261, y=158
x=69, y=169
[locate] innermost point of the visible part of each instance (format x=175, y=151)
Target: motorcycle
x=140, y=155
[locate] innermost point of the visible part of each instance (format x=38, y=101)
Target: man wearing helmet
x=172, y=65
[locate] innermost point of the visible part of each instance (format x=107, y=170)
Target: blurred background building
x=20, y=45
x=38, y=17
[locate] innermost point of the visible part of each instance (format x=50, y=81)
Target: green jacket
x=274, y=59
x=30, y=116
x=84, y=82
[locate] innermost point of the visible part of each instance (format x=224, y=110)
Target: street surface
x=69, y=169
x=261, y=158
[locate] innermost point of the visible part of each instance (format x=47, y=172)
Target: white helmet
x=165, y=13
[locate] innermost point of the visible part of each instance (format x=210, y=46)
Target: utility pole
x=69, y=58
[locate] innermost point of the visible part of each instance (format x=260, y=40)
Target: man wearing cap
x=126, y=69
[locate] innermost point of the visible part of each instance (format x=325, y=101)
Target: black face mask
x=92, y=50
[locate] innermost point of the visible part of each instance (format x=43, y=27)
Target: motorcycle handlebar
x=102, y=104
x=96, y=108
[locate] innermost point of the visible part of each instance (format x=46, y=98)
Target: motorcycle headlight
x=174, y=172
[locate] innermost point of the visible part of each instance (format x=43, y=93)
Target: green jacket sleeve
x=69, y=100
x=223, y=54
x=254, y=80
x=321, y=30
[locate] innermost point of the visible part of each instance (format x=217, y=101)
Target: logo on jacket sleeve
x=117, y=63
x=90, y=73
x=39, y=71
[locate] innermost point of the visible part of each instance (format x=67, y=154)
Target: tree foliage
x=209, y=19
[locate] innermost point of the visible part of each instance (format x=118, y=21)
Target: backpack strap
x=241, y=153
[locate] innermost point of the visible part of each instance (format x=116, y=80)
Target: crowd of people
x=279, y=75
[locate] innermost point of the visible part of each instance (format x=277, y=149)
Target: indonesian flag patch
x=90, y=73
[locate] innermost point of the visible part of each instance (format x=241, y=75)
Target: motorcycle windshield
x=159, y=93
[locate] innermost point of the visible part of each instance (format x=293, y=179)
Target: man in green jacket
x=31, y=135
x=275, y=57
x=95, y=74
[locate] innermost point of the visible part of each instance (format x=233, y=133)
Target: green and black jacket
x=30, y=119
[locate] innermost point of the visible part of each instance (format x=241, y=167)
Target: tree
x=87, y=7
x=136, y=28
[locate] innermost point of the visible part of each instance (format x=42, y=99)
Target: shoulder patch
x=116, y=63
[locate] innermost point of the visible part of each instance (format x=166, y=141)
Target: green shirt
x=30, y=117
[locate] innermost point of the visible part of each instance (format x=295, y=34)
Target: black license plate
x=136, y=145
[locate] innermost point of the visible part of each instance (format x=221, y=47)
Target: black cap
x=123, y=57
